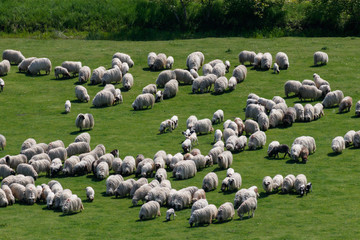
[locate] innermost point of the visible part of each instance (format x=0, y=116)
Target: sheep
x=219, y=69
x=246, y=56
x=2, y=142
x=161, y=174
x=225, y=159
x=150, y=59
x=263, y=121
x=184, y=170
x=253, y=110
x=309, y=92
x=356, y=139
x=218, y=116
x=19, y=178
x=97, y=75
x=288, y=183
x=128, y=81
x=35, y=149
x=39, y=64
x=307, y=141
x=357, y=109
x=13, y=56
x=5, y=171
x=21, y=167
x=90, y=193
x=175, y=120
x=231, y=142
x=123, y=57
x=4, y=67
x=207, y=69
x=299, y=112
x=345, y=104
x=170, y=212
x=15, y=160
x=321, y=57
x=307, y=82
x=141, y=193
x=77, y=148
x=191, y=121
x=203, y=126
x=292, y=86
x=67, y=106
x=61, y=70
x=300, y=184
x=349, y=137
x=217, y=135
x=164, y=77
x=276, y=68
x=193, y=73
x=115, y=62
x=247, y=206
x=150, y=88
x=210, y=182
x=318, y=111
x=257, y=140
x=112, y=75
x=308, y=113
x=30, y=194
x=325, y=89
x=158, y=194
x=333, y=98
x=277, y=182
x=201, y=203
x=112, y=183
x=215, y=152
x=203, y=215
x=267, y=184
x=60, y=197
x=128, y=165
x=143, y=100
x=8, y=193
x=281, y=148
x=338, y=144
x=171, y=89
x=82, y=94
x=84, y=74
x=183, y=76
x=220, y=85
x=59, y=152
x=84, y=121
x=41, y=166
x=149, y=210
x=195, y=60
x=72, y=66
x=234, y=182
x=225, y=212
x=72, y=204
x=55, y=167
x=140, y=182
x=319, y=81
x=275, y=117
x=282, y=60
x=3, y=199
x=24, y=64
x=108, y=158
x=105, y=98
x=257, y=60
x=199, y=194
x=124, y=188
x=266, y=61
x=18, y=191
x=69, y=165
x=175, y=159
x=159, y=62
x=232, y=83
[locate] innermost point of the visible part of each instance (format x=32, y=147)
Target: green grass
x=33, y=107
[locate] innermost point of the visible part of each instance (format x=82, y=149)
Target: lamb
x=292, y=86
x=318, y=111
x=276, y=68
x=277, y=182
x=128, y=81
x=266, y=61
x=247, y=206
x=276, y=117
x=61, y=70
x=225, y=212
x=309, y=92
x=18, y=191
x=143, y=100
x=257, y=140
x=8, y=193
x=333, y=98
x=218, y=116
x=27, y=170
x=5, y=171
x=203, y=215
x=128, y=165
x=288, y=183
x=203, y=126
x=72, y=66
x=90, y=193
x=234, y=182
x=195, y=60
x=338, y=144
x=112, y=75
x=72, y=204
x=281, y=148
x=4, y=67
x=82, y=94
x=349, y=137
x=78, y=148
x=210, y=182
x=300, y=184
x=149, y=210
x=84, y=74
x=164, y=77
x=97, y=75
x=85, y=121
x=170, y=212
x=124, y=58
x=201, y=203
x=184, y=170
x=220, y=85
x=246, y=56
x=59, y=152
x=321, y=57
x=267, y=184
x=257, y=60
x=13, y=56
x=308, y=113
x=225, y=159
x=345, y=104
x=282, y=60
x=171, y=89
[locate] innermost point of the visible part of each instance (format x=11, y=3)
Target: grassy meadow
x=34, y=107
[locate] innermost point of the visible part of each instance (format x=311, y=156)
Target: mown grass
x=33, y=107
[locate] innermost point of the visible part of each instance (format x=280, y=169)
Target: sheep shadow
x=340, y=113
x=303, y=101
x=145, y=220
x=37, y=75
x=224, y=221
x=291, y=97
x=218, y=169
x=291, y=161
x=78, y=132
x=93, y=178
x=317, y=65
x=245, y=218
x=274, y=158
x=64, y=112
x=147, y=69
x=79, y=83
x=227, y=192
x=76, y=101
x=333, y=154
x=68, y=214
x=355, y=116
x=264, y=195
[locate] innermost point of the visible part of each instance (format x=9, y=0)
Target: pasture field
x=34, y=106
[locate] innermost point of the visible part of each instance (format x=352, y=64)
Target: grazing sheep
x=201, y=203
x=8, y=193
x=128, y=81
x=140, y=182
x=72, y=66
x=30, y=194
x=161, y=174
x=141, y=193
x=150, y=59
x=166, y=125
x=281, y=148
x=338, y=144
x=19, y=178
x=199, y=194
x=309, y=92
x=247, y=206
x=61, y=70
x=277, y=182
x=34, y=150
x=150, y=88
x=3, y=199
x=170, y=212
x=69, y=165
x=276, y=117
x=191, y=121
x=219, y=69
x=82, y=94
x=349, y=137
x=2, y=142
x=271, y=146
x=184, y=170
x=288, y=183
x=225, y=212
x=203, y=126
x=308, y=113
x=267, y=184
x=112, y=75
x=59, y=152
x=319, y=81
x=143, y=100
x=55, y=167
x=232, y=83
x=300, y=184
x=299, y=112
x=266, y=61
x=282, y=60
x=67, y=106
x=307, y=141
x=128, y=165
x=225, y=159
x=171, y=89
x=183, y=76
x=345, y=104
x=77, y=148
x=149, y=210
x=203, y=215
x=39, y=64
x=123, y=57
x=15, y=160
x=124, y=188
x=159, y=62
x=257, y=60
x=24, y=64
x=5, y=171
x=105, y=98
x=276, y=68
x=318, y=111
x=41, y=166
x=356, y=139
x=84, y=74
x=85, y=121
x=13, y=56
x=217, y=135
x=218, y=116
x=72, y=204
x=164, y=77
x=158, y=194
x=195, y=60
x=308, y=82
x=333, y=98
x=18, y=191
x=257, y=140
x=97, y=75
x=193, y=73
x=112, y=183
x=253, y=110
x=210, y=182
x=321, y=57
x=234, y=182
x=292, y=86
x=83, y=137
x=246, y=56
x=90, y=193
x=263, y=121
x=220, y=85
x=215, y=152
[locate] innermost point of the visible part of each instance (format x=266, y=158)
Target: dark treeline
x=167, y=19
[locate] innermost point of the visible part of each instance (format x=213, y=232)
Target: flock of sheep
x=261, y=114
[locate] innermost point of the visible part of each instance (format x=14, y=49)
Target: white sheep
x=59, y=152
x=210, y=182
x=292, y=86
x=149, y=210
x=201, y=203
x=143, y=100
x=246, y=56
x=112, y=75
x=19, y=178
x=184, y=170
x=84, y=121
x=30, y=194
x=195, y=60
x=345, y=104
x=219, y=69
x=67, y=106
x=203, y=126
x=220, y=85
x=349, y=138
x=164, y=77
x=69, y=165
x=13, y=56
x=263, y=121
x=234, y=182
x=257, y=60
x=247, y=206
x=225, y=212
x=128, y=81
x=8, y=193
x=338, y=144
x=194, y=73
x=82, y=94
x=124, y=188
x=215, y=152
x=308, y=82
x=169, y=62
x=357, y=109
x=217, y=135
x=203, y=215
x=150, y=88
x=61, y=70
x=24, y=64
x=84, y=74
x=97, y=75
x=161, y=174
x=199, y=194
x=150, y=59
x=40, y=64
x=218, y=116
x=170, y=212
x=251, y=127
x=27, y=170
x=277, y=182
x=266, y=61
x=308, y=113
x=55, y=167
x=124, y=58
x=41, y=166
x=318, y=111
x=267, y=184
x=183, y=76
x=3, y=199
x=307, y=141
x=276, y=117
x=299, y=112
x=2, y=142
x=72, y=204
x=128, y=165
x=72, y=66
x=225, y=159
x=333, y=98
x=257, y=140
x=5, y=171
x=112, y=183
x=159, y=62
x=232, y=83
x=300, y=184
x=321, y=57
x=18, y=191
x=253, y=110
x=206, y=69
x=309, y=92
x=171, y=89
x=276, y=68
x=104, y=98
x=282, y=60
x=319, y=81
x=190, y=122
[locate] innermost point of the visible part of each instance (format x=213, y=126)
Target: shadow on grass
x=76, y=101
x=218, y=169
x=291, y=161
x=79, y=83
x=291, y=97
x=228, y=192
x=68, y=214
x=317, y=65
x=78, y=132
x=344, y=112
x=62, y=78
x=145, y=220
x=333, y=154
x=224, y=221
x=273, y=158
x=355, y=116
x=244, y=218
x=224, y=92
x=94, y=179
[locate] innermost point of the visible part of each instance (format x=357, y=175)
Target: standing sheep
x=292, y=86
x=143, y=100
x=171, y=89
x=149, y=210
x=84, y=121
x=257, y=140
x=61, y=70
x=321, y=57
x=246, y=56
x=184, y=170
x=82, y=94
x=105, y=98
x=13, y=56
x=128, y=81
x=349, y=137
x=210, y=182
x=72, y=204
x=150, y=88
x=97, y=75
x=112, y=183
x=203, y=126
x=112, y=75
x=40, y=64
x=225, y=159
x=345, y=104
x=90, y=193
x=266, y=61
x=247, y=206
x=300, y=184
x=220, y=85
x=218, y=116
x=72, y=66
x=333, y=98
x=225, y=212
x=170, y=212
x=123, y=57
x=195, y=60
x=2, y=142
x=338, y=144
x=277, y=182
x=164, y=77
x=203, y=215
x=84, y=74
x=24, y=64
x=288, y=183
x=267, y=184
x=282, y=60
x=67, y=106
